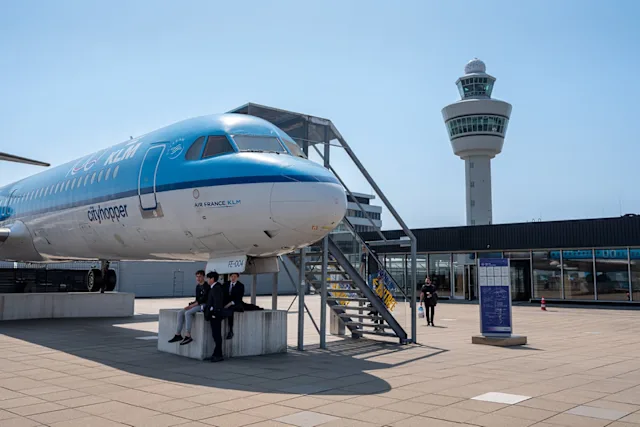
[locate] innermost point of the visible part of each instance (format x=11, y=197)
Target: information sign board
x=494, y=281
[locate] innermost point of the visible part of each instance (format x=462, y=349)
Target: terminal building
x=590, y=260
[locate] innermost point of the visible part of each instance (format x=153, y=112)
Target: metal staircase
x=369, y=315
x=330, y=263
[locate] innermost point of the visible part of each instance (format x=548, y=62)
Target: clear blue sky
x=77, y=76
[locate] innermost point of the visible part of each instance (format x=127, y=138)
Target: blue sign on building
x=495, y=297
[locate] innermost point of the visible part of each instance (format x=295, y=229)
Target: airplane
x=230, y=189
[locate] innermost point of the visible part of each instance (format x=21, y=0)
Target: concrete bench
x=255, y=333
x=62, y=305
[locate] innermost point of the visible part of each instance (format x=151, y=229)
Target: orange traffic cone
x=543, y=305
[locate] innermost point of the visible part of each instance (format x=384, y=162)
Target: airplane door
x=147, y=177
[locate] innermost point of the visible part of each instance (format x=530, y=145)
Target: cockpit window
x=294, y=148
x=217, y=145
x=193, y=153
x=258, y=143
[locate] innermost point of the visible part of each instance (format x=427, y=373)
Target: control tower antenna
x=477, y=125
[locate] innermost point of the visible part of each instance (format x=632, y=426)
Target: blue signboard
x=494, y=281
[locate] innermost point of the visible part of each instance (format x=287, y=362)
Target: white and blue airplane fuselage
x=223, y=188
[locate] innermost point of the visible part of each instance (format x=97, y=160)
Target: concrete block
x=255, y=333
x=65, y=305
x=513, y=340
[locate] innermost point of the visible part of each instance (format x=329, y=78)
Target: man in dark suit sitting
x=215, y=312
x=233, y=291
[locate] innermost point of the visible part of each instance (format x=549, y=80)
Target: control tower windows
x=477, y=124
x=217, y=145
x=475, y=86
x=258, y=143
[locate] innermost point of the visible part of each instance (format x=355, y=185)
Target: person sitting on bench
x=233, y=293
x=186, y=315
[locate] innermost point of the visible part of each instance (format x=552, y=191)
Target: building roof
x=584, y=233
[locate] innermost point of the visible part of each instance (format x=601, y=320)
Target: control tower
x=477, y=125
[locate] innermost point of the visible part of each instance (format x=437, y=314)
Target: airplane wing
x=18, y=159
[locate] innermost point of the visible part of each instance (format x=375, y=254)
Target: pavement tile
x=20, y=422
x=380, y=416
x=568, y=420
x=494, y=420
x=232, y=420
x=273, y=411
x=38, y=408
x=478, y=405
x=601, y=413
x=550, y=405
x=90, y=421
x=450, y=413
x=57, y=416
x=306, y=419
x=201, y=412
x=525, y=413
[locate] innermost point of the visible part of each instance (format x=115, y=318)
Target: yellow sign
x=384, y=294
x=340, y=292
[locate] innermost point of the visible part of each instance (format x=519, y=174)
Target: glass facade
x=475, y=86
x=477, y=124
x=580, y=274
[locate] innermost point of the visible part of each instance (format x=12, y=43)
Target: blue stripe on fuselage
x=182, y=186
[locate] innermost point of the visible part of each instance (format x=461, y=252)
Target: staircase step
x=355, y=307
x=347, y=299
x=333, y=281
x=359, y=316
x=380, y=334
x=372, y=325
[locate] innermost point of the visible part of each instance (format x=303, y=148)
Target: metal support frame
x=301, y=306
x=254, y=288
x=325, y=261
x=274, y=292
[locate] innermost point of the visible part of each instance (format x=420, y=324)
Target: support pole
x=325, y=259
x=323, y=293
x=274, y=292
x=301, y=307
x=414, y=285
x=254, y=288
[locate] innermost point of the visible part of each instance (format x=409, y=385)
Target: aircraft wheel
x=94, y=280
x=111, y=280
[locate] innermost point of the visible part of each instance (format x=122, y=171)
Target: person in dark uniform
x=215, y=312
x=233, y=293
x=429, y=299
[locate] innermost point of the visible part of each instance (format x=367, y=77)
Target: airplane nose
x=313, y=208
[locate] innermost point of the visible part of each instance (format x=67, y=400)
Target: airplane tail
x=12, y=158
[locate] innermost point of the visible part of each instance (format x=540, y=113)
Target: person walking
x=429, y=299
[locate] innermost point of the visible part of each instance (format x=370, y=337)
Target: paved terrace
x=581, y=368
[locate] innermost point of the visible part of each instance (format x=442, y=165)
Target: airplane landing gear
x=102, y=279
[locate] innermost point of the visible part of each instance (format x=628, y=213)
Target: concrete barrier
x=255, y=333
x=61, y=305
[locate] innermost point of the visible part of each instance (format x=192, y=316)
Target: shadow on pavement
x=346, y=368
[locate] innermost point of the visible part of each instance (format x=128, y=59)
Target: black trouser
x=428, y=308
x=229, y=315
x=216, y=331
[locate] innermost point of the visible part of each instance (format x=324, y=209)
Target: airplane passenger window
x=115, y=171
x=100, y=175
x=86, y=179
x=193, y=153
x=106, y=176
x=57, y=188
x=258, y=143
x=93, y=178
x=73, y=183
x=66, y=186
x=217, y=145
